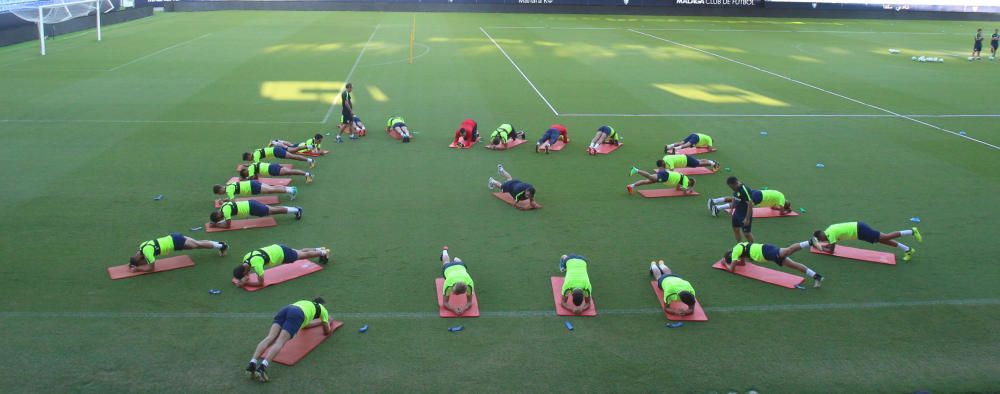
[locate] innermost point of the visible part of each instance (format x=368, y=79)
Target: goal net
x=55, y=11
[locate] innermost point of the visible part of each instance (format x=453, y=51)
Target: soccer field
x=90, y=133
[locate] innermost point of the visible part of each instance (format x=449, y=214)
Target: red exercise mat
x=455, y=300
x=557, y=284
x=694, y=170
x=604, y=149
x=870, y=256
x=302, y=343
x=267, y=200
x=767, y=213
x=283, y=273
x=243, y=224
x=505, y=197
x=160, y=265
x=657, y=193
x=698, y=315
x=762, y=274
x=695, y=151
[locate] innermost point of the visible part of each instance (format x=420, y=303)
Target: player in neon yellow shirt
x=222, y=217
x=503, y=135
x=270, y=256
x=245, y=188
x=826, y=240
x=688, y=161
x=253, y=171
x=311, y=145
x=605, y=135
x=697, y=140
x=576, y=283
x=761, y=253
x=661, y=175
x=289, y=320
x=145, y=257
x=456, y=282
x=398, y=124
x=276, y=152
x=674, y=288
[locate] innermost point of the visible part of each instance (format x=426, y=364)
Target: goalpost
x=56, y=11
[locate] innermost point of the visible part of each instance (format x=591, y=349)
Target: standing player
x=826, y=240
x=977, y=46
x=346, y=113
x=994, y=42
x=761, y=198
x=742, y=203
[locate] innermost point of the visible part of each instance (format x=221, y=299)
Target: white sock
x=292, y=211
x=444, y=255
x=253, y=360
x=906, y=232
x=663, y=268
x=216, y=245
x=804, y=244
x=723, y=207
x=718, y=200
x=903, y=247
x=264, y=363
x=810, y=273
x=654, y=268
x=309, y=174
x=309, y=160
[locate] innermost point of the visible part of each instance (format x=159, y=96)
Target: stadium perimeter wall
x=14, y=30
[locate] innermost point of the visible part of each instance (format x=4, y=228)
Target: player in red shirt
x=553, y=134
x=467, y=134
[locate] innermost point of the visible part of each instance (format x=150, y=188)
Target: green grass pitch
x=92, y=131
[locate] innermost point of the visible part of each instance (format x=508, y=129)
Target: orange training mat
x=767, y=213
x=557, y=284
x=267, y=200
x=694, y=170
x=695, y=151
x=762, y=274
x=310, y=154
x=698, y=315
x=455, y=300
x=283, y=273
x=505, y=197
x=608, y=148
x=267, y=181
x=160, y=265
x=453, y=145
x=304, y=342
x=870, y=256
x=511, y=144
x=657, y=193
x=244, y=224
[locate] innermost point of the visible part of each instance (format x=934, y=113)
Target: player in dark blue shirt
x=994, y=42
x=977, y=46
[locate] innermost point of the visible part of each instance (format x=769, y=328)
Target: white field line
x=901, y=116
x=789, y=115
x=333, y=104
x=159, y=51
x=139, y=121
x=520, y=72
x=513, y=314
x=725, y=30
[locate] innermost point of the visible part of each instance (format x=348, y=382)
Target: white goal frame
x=41, y=24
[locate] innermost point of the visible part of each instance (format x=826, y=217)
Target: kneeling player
x=398, y=124
x=503, y=135
x=288, y=322
x=661, y=175
x=766, y=252
x=270, y=256
x=143, y=259
x=254, y=188
x=696, y=140
x=456, y=282
x=255, y=170
x=520, y=191
x=551, y=136
x=222, y=217
x=826, y=240
x=605, y=135
x=674, y=288
x=467, y=133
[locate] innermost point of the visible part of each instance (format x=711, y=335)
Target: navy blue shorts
x=977, y=47
x=290, y=318
x=254, y=187
x=511, y=186
x=993, y=44
x=280, y=152
x=552, y=135
x=258, y=209
x=662, y=175
x=178, y=239
x=756, y=196
x=738, y=216
x=562, y=262
x=692, y=161
x=274, y=169
x=773, y=253
x=445, y=266
x=692, y=139
x=290, y=254
x=868, y=234
x=659, y=282
x=398, y=125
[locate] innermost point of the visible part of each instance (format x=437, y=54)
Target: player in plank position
x=270, y=256
x=520, y=191
x=576, y=284
x=253, y=171
x=674, y=288
x=695, y=140
x=275, y=152
x=456, y=282
x=761, y=253
x=222, y=217
x=145, y=257
x=682, y=161
x=243, y=188
x=289, y=320
x=311, y=145
x=467, y=133
x=661, y=175
x=551, y=136
x=605, y=135
x=398, y=124
x=500, y=137
x=759, y=198
x=826, y=240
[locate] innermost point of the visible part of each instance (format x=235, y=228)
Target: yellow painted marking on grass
x=322, y=91
x=312, y=47
x=663, y=52
x=807, y=59
x=547, y=43
x=719, y=94
x=377, y=94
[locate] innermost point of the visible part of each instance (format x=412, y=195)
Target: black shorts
x=738, y=215
x=346, y=116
